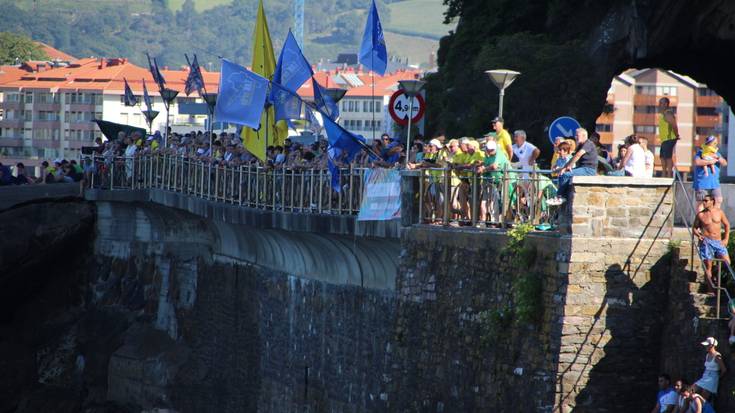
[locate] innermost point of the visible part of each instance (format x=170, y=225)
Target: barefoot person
x=708, y=228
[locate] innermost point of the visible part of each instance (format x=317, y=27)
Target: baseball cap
x=491, y=145
x=710, y=341
x=465, y=140
x=498, y=119
x=435, y=143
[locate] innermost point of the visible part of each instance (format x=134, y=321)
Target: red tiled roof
x=384, y=85
x=56, y=54
x=10, y=73
x=106, y=76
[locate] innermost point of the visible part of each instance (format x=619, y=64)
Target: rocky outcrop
x=568, y=52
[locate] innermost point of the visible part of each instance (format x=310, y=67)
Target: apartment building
x=49, y=109
x=365, y=103
x=632, y=103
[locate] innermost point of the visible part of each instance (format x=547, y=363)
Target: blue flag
x=287, y=104
x=130, y=99
x=241, y=96
x=147, y=97
x=373, y=53
x=324, y=103
x=157, y=76
x=194, y=80
x=292, y=69
x=342, y=143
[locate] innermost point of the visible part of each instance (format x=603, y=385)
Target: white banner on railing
x=381, y=197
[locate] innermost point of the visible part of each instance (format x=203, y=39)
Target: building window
x=707, y=111
x=666, y=90
x=344, y=106
x=28, y=115
x=359, y=125
x=366, y=106
x=645, y=109
x=705, y=91
x=12, y=97
x=29, y=97
x=645, y=90
x=704, y=131
x=645, y=129
x=603, y=127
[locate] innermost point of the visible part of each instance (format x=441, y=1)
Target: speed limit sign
x=399, y=105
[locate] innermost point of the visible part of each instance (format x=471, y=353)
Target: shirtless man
x=708, y=227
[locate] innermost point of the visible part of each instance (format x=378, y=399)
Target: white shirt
x=649, y=163
x=130, y=150
x=636, y=165
x=525, y=154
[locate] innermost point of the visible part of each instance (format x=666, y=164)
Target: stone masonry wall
x=618, y=278
x=447, y=357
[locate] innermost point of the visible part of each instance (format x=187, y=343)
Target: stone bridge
x=209, y=306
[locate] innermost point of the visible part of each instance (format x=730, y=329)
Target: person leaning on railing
x=586, y=161
x=465, y=164
x=433, y=162
x=493, y=165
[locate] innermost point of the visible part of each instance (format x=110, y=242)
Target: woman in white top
x=714, y=368
x=634, y=162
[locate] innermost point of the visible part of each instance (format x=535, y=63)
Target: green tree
x=15, y=47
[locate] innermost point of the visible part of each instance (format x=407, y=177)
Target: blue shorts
x=711, y=248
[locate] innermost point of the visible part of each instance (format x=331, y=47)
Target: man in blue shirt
x=666, y=398
x=708, y=182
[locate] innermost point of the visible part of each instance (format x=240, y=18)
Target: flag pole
x=372, y=96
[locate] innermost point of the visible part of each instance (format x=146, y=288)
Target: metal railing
x=278, y=189
x=679, y=183
x=497, y=198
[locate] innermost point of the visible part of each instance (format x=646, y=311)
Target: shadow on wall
x=613, y=362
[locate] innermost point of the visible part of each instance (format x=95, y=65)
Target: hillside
x=211, y=28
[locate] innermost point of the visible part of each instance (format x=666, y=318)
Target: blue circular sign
x=564, y=126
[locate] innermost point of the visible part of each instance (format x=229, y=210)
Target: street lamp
x=502, y=78
x=411, y=88
x=149, y=116
x=168, y=96
x=211, y=99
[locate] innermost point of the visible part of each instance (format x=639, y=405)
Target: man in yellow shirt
x=465, y=165
x=668, y=134
x=502, y=136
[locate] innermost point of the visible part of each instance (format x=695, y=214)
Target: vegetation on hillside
x=16, y=48
x=130, y=28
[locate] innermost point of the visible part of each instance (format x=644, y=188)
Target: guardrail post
x=409, y=206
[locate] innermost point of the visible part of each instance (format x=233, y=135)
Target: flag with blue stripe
x=341, y=143
x=130, y=98
x=147, y=97
x=194, y=81
x=373, y=52
x=324, y=103
x=292, y=69
x=287, y=104
x=241, y=96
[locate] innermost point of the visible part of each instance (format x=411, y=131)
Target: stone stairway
x=691, y=264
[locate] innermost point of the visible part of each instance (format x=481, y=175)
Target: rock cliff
x=568, y=52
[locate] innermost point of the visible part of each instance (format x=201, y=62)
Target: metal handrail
x=255, y=186
x=678, y=179
x=480, y=199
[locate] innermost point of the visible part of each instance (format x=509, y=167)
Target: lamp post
x=502, y=78
x=149, y=116
x=168, y=96
x=211, y=99
x=411, y=88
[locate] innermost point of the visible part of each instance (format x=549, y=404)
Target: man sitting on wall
x=712, y=244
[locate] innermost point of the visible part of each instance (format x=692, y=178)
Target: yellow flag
x=264, y=64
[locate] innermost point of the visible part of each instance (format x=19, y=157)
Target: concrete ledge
x=256, y=218
x=602, y=180
x=17, y=194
